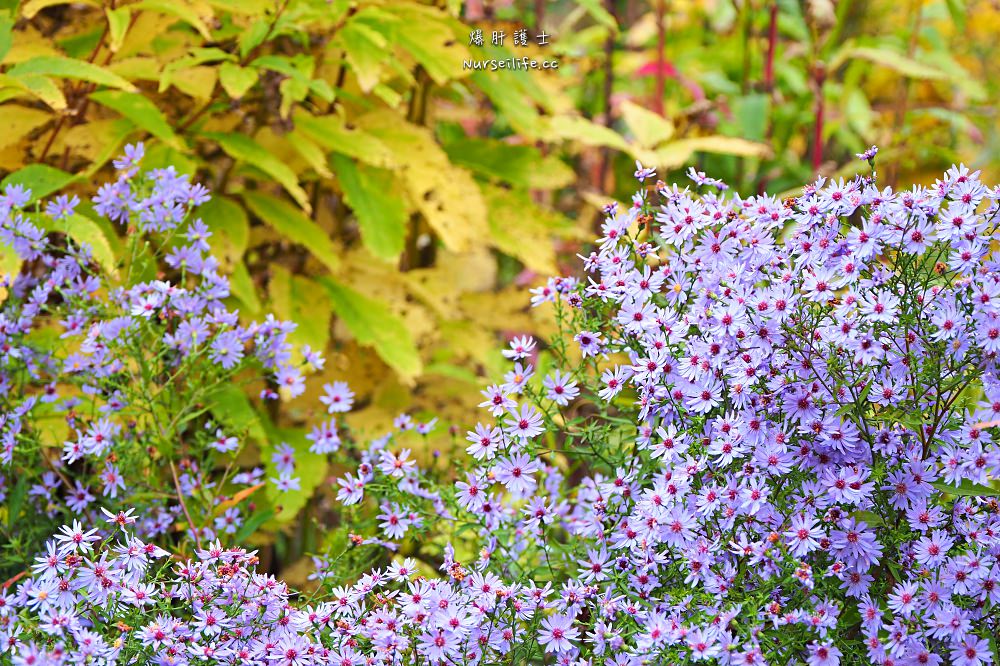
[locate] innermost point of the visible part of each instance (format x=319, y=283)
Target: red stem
x=772, y=43
x=661, y=58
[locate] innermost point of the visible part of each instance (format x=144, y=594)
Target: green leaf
x=428, y=36
x=141, y=111
x=17, y=499
x=310, y=468
x=85, y=231
x=366, y=49
x=68, y=68
x=236, y=80
x=333, y=133
x=523, y=166
x=41, y=179
x=293, y=225
x=118, y=22
x=230, y=229
x=599, y=13
x=6, y=34
x=966, y=489
x=310, y=152
x=886, y=57
x=244, y=149
x=232, y=408
x=10, y=265
x=382, y=214
x=373, y=324
x=299, y=299
x=522, y=229
x=37, y=85
x=251, y=524
x=178, y=10
x=241, y=286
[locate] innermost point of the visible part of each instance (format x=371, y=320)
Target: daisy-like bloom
x=525, y=422
x=515, y=473
x=338, y=397
x=823, y=654
x=520, y=348
x=642, y=173
x=803, y=534
x=972, y=651
x=394, y=465
x=485, y=442
x=286, y=482
x=227, y=349
x=614, y=381
x=73, y=538
x=591, y=344
x=498, y=400
x=224, y=443
x=284, y=458
x=561, y=388
x=557, y=632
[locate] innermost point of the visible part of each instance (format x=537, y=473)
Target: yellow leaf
x=177, y=9
x=198, y=82
x=445, y=194
x=650, y=129
x=32, y=7
x=677, y=153
x=589, y=133
x=333, y=133
x=19, y=121
x=38, y=86
x=517, y=228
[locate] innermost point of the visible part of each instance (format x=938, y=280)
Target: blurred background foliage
x=395, y=203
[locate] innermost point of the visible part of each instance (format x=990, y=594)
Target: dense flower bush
x=764, y=438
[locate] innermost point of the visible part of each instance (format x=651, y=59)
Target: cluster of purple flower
x=764, y=439
x=787, y=455
x=139, y=350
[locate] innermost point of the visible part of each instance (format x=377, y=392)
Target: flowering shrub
x=764, y=438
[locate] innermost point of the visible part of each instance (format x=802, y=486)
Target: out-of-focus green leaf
x=16, y=500
x=232, y=408
x=751, y=115
x=141, y=111
x=118, y=22
x=236, y=80
x=299, y=299
x=886, y=57
x=310, y=151
x=10, y=263
x=366, y=49
x=68, y=68
x=6, y=38
x=244, y=149
x=41, y=179
x=429, y=37
x=333, y=133
x=445, y=194
x=251, y=524
x=382, y=214
x=650, y=129
x=178, y=9
x=230, y=229
x=293, y=225
x=599, y=13
x=518, y=228
x=310, y=469
x=966, y=489
x=523, y=166
x=373, y=324
x=859, y=113
x=242, y=287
